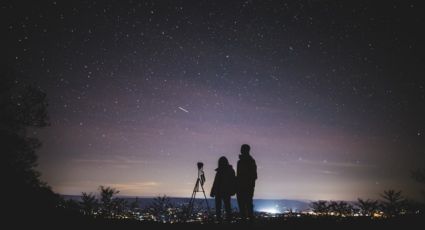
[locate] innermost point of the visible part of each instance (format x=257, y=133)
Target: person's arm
x=214, y=187
x=255, y=170
x=233, y=184
x=237, y=169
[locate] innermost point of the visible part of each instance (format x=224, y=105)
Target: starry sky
x=329, y=94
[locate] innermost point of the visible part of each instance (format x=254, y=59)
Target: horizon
x=201, y=198
x=209, y=198
x=330, y=96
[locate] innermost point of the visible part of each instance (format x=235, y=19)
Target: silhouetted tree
x=108, y=206
x=22, y=107
x=161, y=208
x=89, y=204
x=393, y=202
x=368, y=207
x=320, y=207
x=106, y=201
x=340, y=208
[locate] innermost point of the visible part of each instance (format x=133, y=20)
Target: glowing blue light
x=271, y=210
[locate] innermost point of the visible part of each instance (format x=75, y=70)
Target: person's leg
x=244, y=203
x=227, y=207
x=250, y=205
x=218, y=207
x=239, y=197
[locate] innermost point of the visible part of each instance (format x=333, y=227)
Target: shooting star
x=184, y=110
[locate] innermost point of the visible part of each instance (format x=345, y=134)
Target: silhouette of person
x=223, y=187
x=245, y=180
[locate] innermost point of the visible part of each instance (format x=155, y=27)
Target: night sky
x=329, y=94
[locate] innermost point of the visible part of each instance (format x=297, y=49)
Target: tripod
x=199, y=183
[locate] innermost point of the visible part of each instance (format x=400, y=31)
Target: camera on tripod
x=199, y=187
x=201, y=174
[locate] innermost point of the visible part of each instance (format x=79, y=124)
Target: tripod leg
x=190, y=207
x=192, y=198
x=206, y=200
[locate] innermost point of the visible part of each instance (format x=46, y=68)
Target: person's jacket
x=224, y=182
x=246, y=171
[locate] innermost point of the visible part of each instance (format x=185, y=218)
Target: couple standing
x=227, y=184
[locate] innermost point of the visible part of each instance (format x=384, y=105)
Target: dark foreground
x=405, y=222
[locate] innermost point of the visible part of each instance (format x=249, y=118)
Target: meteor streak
x=184, y=110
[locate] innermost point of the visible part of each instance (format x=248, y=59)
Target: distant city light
x=271, y=210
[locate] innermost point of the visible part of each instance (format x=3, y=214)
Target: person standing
x=223, y=187
x=245, y=182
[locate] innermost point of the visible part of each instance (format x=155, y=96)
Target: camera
x=200, y=165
